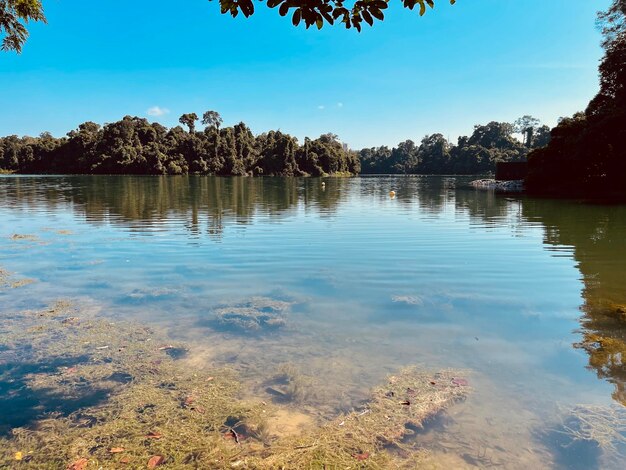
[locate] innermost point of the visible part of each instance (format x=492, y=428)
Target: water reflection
x=205, y=206
x=598, y=237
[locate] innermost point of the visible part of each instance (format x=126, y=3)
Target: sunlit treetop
x=16, y=14
x=319, y=12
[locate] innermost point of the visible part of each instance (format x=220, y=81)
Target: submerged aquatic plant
x=289, y=385
x=83, y=392
x=604, y=425
x=254, y=315
x=7, y=280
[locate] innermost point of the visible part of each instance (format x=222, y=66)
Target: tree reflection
x=598, y=236
x=209, y=204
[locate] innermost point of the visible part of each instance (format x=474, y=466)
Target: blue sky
x=477, y=61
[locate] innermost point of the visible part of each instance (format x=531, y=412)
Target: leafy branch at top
x=14, y=14
x=319, y=12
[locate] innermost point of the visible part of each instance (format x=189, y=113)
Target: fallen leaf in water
x=362, y=456
x=154, y=435
x=460, y=382
x=80, y=464
x=19, y=456
x=155, y=461
x=116, y=450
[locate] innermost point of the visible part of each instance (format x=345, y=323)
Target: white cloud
x=157, y=111
x=321, y=106
x=340, y=105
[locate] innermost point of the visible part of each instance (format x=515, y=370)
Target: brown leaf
x=405, y=402
x=155, y=461
x=189, y=400
x=460, y=382
x=362, y=456
x=166, y=347
x=116, y=450
x=80, y=464
x=125, y=459
x=154, y=435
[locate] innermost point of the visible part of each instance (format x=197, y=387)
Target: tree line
x=474, y=154
x=135, y=146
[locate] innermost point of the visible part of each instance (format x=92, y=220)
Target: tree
x=527, y=126
x=14, y=15
x=433, y=155
x=212, y=119
x=542, y=137
x=189, y=120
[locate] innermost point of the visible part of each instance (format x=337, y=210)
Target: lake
x=523, y=294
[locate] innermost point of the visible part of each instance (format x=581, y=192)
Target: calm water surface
x=440, y=276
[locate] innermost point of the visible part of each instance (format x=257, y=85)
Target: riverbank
x=514, y=186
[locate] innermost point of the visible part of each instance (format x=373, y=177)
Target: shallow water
x=441, y=275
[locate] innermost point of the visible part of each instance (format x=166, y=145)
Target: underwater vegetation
x=254, y=315
x=7, y=280
x=80, y=391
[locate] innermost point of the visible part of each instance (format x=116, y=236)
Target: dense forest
x=136, y=146
x=476, y=154
x=587, y=153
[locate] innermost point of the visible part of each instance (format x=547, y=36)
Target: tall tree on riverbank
x=212, y=119
x=528, y=127
x=189, y=120
x=587, y=152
